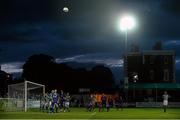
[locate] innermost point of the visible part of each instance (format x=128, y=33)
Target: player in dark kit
x=103, y=101
x=55, y=100
x=89, y=105
x=100, y=106
x=107, y=106
x=119, y=103
x=61, y=101
x=110, y=101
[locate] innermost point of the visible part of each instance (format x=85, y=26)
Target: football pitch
x=82, y=113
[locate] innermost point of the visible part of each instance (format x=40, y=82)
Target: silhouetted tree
x=38, y=68
x=63, y=76
x=5, y=79
x=102, y=77
x=42, y=69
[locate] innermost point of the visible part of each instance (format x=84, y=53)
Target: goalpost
x=25, y=95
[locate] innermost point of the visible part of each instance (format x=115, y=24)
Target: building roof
x=152, y=52
x=154, y=86
x=158, y=52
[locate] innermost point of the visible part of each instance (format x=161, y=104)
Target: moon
x=66, y=9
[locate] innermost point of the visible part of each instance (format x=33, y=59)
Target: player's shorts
x=103, y=104
x=165, y=102
x=61, y=103
x=66, y=104
x=46, y=104
x=50, y=103
x=107, y=106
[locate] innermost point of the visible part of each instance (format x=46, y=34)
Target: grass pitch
x=82, y=113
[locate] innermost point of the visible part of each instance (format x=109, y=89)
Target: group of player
x=118, y=101
x=105, y=103
x=53, y=101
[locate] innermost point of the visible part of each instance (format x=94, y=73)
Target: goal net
x=25, y=95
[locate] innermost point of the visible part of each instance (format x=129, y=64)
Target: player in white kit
x=165, y=100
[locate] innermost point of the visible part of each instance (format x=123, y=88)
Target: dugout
x=152, y=92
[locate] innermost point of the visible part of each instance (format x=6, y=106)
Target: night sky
x=88, y=33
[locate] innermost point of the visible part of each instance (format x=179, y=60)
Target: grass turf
x=81, y=113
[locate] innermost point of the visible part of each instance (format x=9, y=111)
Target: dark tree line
x=5, y=79
x=43, y=69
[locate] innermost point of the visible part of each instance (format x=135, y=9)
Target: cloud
x=12, y=67
x=108, y=59
x=178, y=63
x=172, y=42
x=98, y=58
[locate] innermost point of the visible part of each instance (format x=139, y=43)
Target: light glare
x=127, y=23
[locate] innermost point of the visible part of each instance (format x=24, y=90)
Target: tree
x=38, y=68
x=42, y=69
x=5, y=79
x=102, y=78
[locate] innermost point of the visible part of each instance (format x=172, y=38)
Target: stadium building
x=150, y=73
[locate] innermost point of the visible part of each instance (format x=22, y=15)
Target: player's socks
x=56, y=110
x=52, y=110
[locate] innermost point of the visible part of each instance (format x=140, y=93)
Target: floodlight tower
x=126, y=23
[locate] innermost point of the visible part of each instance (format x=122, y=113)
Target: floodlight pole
x=126, y=23
x=134, y=91
x=125, y=65
x=126, y=37
x=125, y=61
